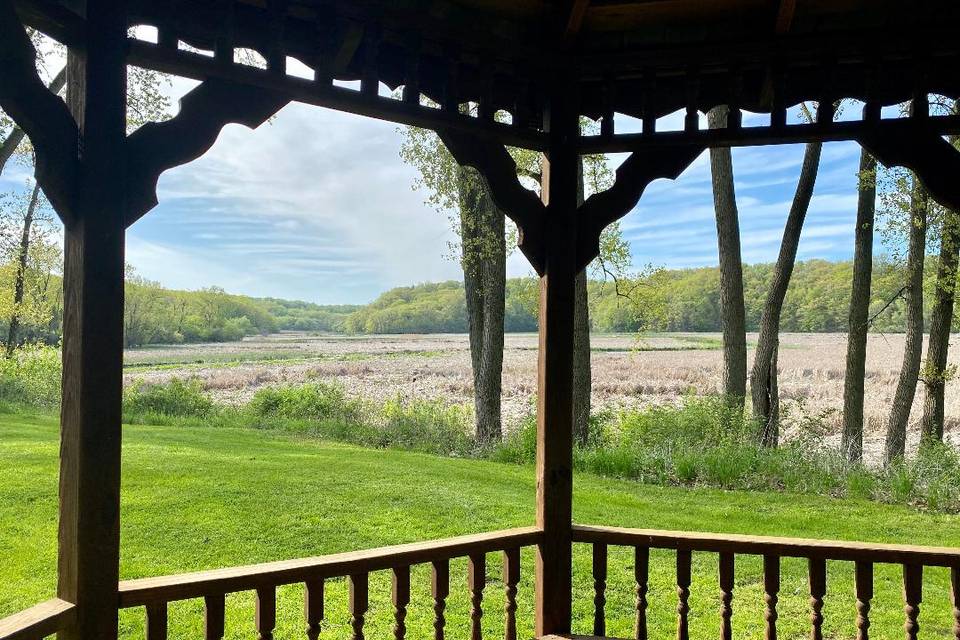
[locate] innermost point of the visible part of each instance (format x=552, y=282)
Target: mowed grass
x=200, y=498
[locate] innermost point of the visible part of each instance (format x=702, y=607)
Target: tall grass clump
x=157, y=403
x=312, y=402
x=31, y=377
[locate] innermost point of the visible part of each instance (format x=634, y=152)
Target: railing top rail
x=769, y=545
x=219, y=581
x=39, y=621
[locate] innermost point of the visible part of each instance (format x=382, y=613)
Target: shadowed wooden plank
x=511, y=576
x=401, y=598
x=38, y=621
x=313, y=607
x=769, y=545
x=359, y=603
x=683, y=593
x=726, y=570
x=912, y=596
x=771, y=589
x=863, y=587
x=641, y=564
x=439, y=590
x=156, y=621
x=818, y=589
x=265, y=617
x=599, y=589
x=214, y=617
x=218, y=581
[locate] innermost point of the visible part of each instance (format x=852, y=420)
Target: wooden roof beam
x=785, y=12
x=574, y=22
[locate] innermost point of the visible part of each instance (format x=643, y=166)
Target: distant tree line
x=817, y=300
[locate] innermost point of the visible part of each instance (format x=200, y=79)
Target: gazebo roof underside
x=643, y=58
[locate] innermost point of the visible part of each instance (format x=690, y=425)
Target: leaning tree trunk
x=582, y=378
x=484, y=277
x=896, y=439
x=763, y=378
x=732, y=314
x=851, y=442
x=935, y=372
x=23, y=252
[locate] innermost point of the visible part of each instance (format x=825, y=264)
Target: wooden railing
x=263, y=579
x=727, y=546
x=38, y=622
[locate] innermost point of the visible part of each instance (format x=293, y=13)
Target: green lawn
x=202, y=498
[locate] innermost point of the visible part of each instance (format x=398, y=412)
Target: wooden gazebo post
x=555, y=370
x=89, y=535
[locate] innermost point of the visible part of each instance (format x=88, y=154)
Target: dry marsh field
x=627, y=371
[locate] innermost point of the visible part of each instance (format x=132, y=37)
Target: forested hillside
x=669, y=300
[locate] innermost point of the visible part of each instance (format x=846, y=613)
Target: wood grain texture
x=511, y=576
x=39, y=621
x=554, y=461
x=142, y=591
x=770, y=545
x=93, y=281
x=156, y=628
x=214, y=617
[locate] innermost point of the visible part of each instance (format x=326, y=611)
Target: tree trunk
x=484, y=277
x=934, y=374
x=763, y=378
x=732, y=318
x=18, y=278
x=582, y=380
x=851, y=442
x=913, y=348
x=16, y=136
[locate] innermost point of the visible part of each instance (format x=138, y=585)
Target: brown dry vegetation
x=627, y=372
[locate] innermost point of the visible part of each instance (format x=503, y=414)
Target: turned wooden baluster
x=818, y=589
x=441, y=589
x=955, y=596
x=359, y=602
x=771, y=589
x=511, y=576
x=726, y=595
x=476, y=581
x=401, y=598
x=265, y=616
x=641, y=563
x=599, y=588
x=863, y=586
x=157, y=621
x=313, y=607
x=912, y=595
x=683, y=593
x=214, y=616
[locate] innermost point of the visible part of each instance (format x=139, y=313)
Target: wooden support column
x=555, y=371
x=89, y=535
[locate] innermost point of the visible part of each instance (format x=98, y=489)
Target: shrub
x=313, y=402
x=175, y=398
x=519, y=446
x=426, y=425
x=31, y=376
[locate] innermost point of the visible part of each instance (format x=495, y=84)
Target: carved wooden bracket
x=637, y=171
x=498, y=169
x=158, y=146
x=934, y=160
x=41, y=114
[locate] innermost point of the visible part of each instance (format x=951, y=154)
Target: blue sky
x=317, y=205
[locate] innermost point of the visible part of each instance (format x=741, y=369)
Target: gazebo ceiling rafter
x=443, y=69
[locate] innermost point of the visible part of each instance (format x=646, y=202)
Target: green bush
x=312, y=402
x=426, y=425
x=31, y=376
x=175, y=398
